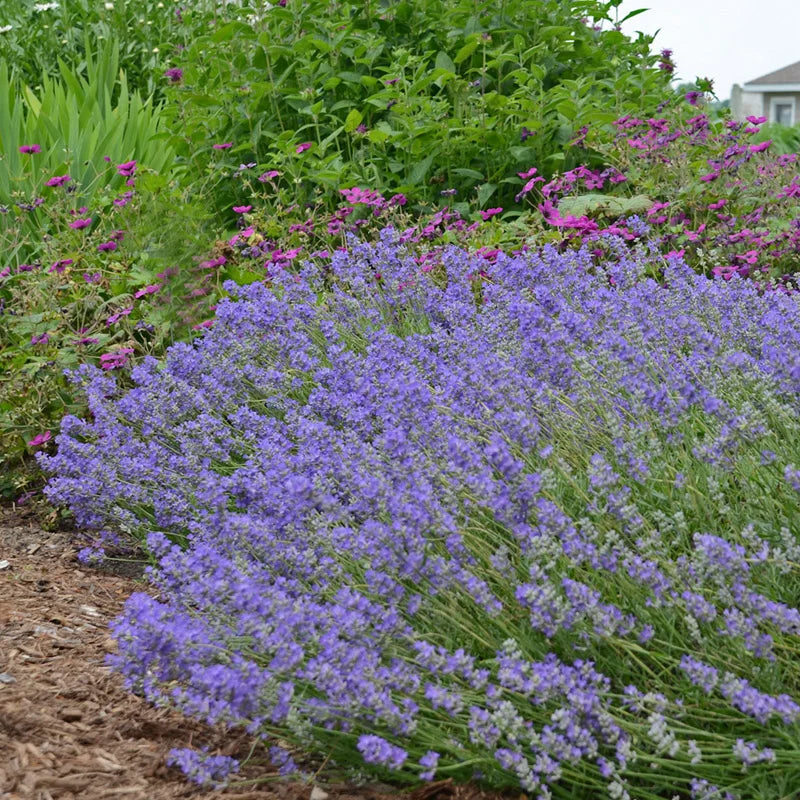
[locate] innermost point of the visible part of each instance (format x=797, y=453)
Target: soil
x=68, y=728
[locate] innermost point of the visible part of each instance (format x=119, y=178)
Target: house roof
x=790, y=74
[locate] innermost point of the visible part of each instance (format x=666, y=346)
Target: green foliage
x=82, y=133
x=784, y=138
x=67, y=294
x=415, y=99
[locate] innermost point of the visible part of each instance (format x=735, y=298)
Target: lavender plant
x=532, y=523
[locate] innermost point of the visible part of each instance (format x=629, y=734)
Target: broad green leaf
x=353, y=120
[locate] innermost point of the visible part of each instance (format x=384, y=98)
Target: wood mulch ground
x=68, y=728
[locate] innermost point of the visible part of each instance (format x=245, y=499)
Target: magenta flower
x=174, y=74
x=760, y=148
x=242, y=209
x=30, y=148
x=265, y=176
x=123, y=312
x=107, y=246
x=40, y=439
x=60, y=266
x=223, y=146
x=80, y=223
x=41, y=338
x=756, y=120
x=487, y=215
x=301, y=148
x=58, y=180
x=693, y=98
x=127, y=169
x=213, y=263
x=115, y=360
x=152, y=289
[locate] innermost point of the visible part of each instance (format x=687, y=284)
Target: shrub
x=711, y=190
x=407, y=98
x=469, y=521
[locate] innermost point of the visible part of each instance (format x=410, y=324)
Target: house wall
x=769, y=96
x=746, y=104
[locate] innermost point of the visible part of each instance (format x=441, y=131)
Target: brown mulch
x=68, y=728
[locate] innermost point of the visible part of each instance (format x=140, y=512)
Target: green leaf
x=443, y=61
x=353, y=120
x=466, y=51
x=377, y=136
x=485, y=191
x=604, y=204
x=420, y=170
x=468, y=173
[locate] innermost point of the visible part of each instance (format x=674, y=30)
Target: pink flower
x=107, y=246
x=119, y=358
x=213, y=263
x=711, y=176
x=264, y=177
x=223, y=146
x=80, y=223
x=127, y=169
x=42, y=338
x=30, y=148
x=301, y=148
x=760, y=148
x=756, y=120
x=123, y=312
x=40, y=439
x=152, y=289
x=242, y=209
x=487, y=215
x=58, y=180
x=60, y=266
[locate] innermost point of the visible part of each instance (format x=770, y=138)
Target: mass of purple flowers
x=512, y=521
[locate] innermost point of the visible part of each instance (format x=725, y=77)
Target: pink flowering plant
x=710, y=190
x=84, y=267
x=539, y=536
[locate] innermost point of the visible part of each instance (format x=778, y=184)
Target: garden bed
x=68, y=729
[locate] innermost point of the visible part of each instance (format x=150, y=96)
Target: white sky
x=731, y=41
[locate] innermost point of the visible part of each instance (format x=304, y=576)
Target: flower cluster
x=470, y=518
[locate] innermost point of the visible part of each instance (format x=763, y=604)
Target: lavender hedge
x=535, y=526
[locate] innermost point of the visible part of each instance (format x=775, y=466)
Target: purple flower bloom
x=151, y=289
x=106, y=246
x=30, y=148
x=376, y=750
x=301, y=148
x=223, y=146
x=40, y=439
x=128, y=168
x=243, y=209
x=115, y=360
x=175, y=74
x=58, y=180
x=80, y=223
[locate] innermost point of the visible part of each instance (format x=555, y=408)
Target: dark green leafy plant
x=441, y=94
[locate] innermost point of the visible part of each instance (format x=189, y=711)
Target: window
x=782, y=110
